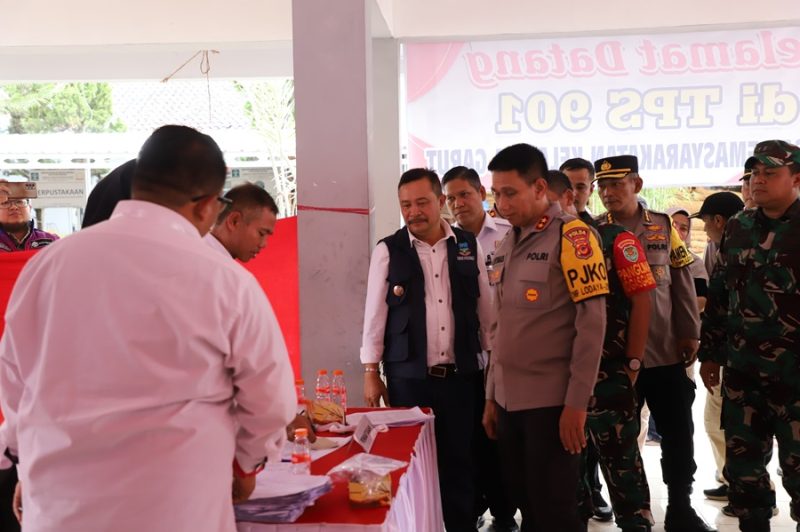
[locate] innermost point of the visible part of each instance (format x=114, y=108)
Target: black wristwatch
x=633, y=364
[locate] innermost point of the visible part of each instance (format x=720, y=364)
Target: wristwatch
x=633, y=364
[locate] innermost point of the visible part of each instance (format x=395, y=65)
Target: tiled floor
x=704, y=479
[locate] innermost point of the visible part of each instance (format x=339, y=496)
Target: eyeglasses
x=222, y=199
x=13, y=203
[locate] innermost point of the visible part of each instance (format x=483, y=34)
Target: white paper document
x=391, y=418
x=320, y=448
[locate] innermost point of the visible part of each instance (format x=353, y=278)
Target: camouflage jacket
x=752, y=315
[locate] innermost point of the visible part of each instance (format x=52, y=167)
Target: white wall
x=122, y=22
x=481, y=18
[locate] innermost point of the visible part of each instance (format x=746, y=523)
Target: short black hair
x=247, y=196
x=415, y=174
x=578, y=164
x=178, y=163
x=558, y=182
x=529, y=162
x=462, y=172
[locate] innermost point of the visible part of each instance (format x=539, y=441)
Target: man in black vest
x=426, y=320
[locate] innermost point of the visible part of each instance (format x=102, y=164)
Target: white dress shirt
x=214, y=243
x=493, y=231
x=439, y=318
x=136, y=364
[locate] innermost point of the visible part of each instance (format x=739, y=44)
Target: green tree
x=52, y=108
x=270, y=107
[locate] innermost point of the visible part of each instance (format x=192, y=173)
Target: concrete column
x=340, y=141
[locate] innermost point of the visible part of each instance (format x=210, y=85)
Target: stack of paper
x=281, y=496
x=391, y=418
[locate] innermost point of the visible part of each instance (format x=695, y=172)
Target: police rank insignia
x=541, y=223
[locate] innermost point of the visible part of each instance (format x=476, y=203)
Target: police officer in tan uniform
x=550, y=280
x=673, y=336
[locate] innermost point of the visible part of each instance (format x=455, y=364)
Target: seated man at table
x=426, y=319
x=241, y=232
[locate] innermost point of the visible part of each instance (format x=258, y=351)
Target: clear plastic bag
x=367, y=477
x=361, y=462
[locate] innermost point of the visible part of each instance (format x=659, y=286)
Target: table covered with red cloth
x=416, y=503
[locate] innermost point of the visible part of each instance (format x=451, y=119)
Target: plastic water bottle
x=338, y=389
x=300, y=389
x=323, y=389
x=301, y=453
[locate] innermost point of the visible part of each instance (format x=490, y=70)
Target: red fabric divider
x=276, y=270
x=10, y=266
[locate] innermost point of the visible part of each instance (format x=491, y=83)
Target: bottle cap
x=338, y=372
x=299, y=381
x=322, y=372
x=300, y=433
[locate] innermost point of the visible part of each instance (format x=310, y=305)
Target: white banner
x=691, y=106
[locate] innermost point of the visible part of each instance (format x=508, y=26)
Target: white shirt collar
x=215, y=244
x=159, y=216
x=448, y=232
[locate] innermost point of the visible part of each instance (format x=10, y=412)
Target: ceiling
x=107, y=39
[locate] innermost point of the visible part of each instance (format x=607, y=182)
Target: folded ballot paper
x=381, y=417
x=281, y=496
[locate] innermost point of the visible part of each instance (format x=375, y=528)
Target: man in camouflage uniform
x=672, y=337
x=613, y=418
x=751, y=326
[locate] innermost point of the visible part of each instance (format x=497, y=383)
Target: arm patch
x=582, y=262
x=679, y=256
x=631, y=264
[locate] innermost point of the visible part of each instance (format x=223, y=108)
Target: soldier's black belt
x=442, y=371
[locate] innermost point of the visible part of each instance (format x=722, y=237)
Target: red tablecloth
x=332, y=511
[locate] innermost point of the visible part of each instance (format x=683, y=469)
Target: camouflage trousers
x=755, y=411
x=613, y=425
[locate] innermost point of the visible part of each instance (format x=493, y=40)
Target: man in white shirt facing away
x=161, y=374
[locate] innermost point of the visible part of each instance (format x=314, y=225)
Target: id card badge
x=495, y=270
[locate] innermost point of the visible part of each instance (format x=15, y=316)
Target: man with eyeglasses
x=17, y=231
x=162, y=377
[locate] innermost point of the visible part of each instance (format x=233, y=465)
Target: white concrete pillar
x=341, y=140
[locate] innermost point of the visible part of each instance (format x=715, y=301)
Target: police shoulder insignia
x=679, y=255
x=542, y=222
x=582, y=262
x=579, y=238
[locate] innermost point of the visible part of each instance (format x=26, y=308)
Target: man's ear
x=442, y=201
x=638, y=184
x=482, y=192
x=205, y=208
x=540, y=187
x=233, y=219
